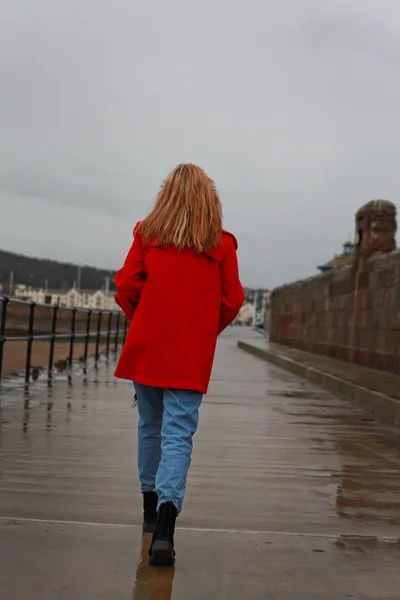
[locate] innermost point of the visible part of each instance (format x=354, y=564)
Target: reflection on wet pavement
x=369, y=481
x=293, y=493
x=152, y=583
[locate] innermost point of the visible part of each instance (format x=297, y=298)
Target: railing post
x=110, y=315
x=116, y=334
x=30, y=341
x=125, y=329
x=87, y=335
x=72, y=338
x=96, y=357
x=4, y=302
x=52, y=341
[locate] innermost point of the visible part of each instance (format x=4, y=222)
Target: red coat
x=178, y=303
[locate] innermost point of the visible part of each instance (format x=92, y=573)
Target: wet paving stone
x=293, y=493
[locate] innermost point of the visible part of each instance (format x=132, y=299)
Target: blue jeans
x=168, y=420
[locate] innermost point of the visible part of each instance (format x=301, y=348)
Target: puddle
x=152, y=583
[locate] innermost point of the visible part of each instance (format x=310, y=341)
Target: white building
x=95, y=299
x=73, y=298
x=29, y=294
x=264, y=317
x=246, y=314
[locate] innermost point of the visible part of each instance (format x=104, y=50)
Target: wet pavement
x=382, y=382
x=293, y=493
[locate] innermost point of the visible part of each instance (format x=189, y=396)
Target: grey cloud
x=292, y=107
x=84, y=188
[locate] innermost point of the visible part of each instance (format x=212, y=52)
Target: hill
x=37, y=271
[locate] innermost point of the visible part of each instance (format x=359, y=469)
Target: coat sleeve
x=232, y=292
x=130, y=279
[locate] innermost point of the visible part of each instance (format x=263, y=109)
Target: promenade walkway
x=293, y=493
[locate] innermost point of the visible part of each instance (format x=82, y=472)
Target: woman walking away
x=180, y=288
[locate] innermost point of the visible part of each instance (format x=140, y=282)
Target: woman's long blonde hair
x=187, y=212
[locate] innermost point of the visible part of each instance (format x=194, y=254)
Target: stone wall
x=351, y=313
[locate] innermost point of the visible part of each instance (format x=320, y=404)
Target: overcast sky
x=292, y=107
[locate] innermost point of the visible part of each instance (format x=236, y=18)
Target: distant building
x=246, y=315
x=73, y=298
x=265, y=313
x=255, y=309
x=344, y=258
x=29, y=294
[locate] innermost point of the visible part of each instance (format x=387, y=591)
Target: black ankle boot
x=150, y=501
x=162, y=546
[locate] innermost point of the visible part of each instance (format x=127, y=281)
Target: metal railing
x=113, y=335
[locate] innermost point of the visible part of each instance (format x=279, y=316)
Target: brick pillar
x=375, y=233
x=375, y=228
